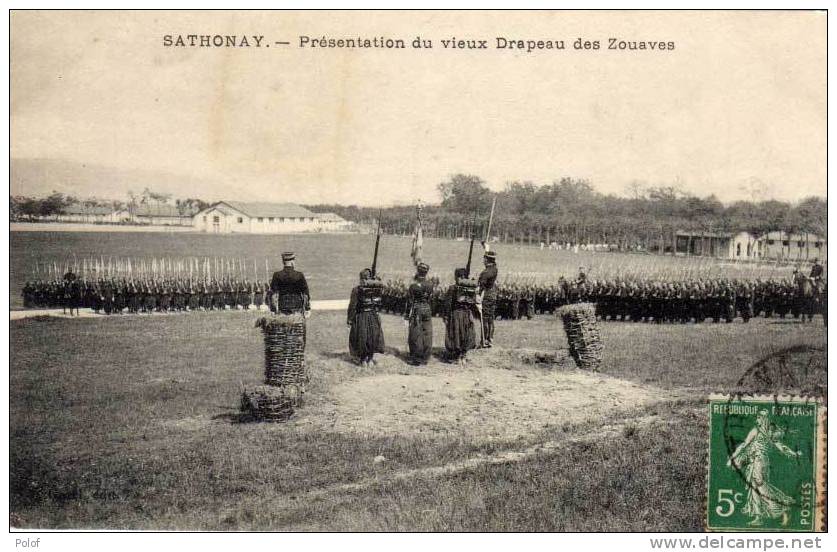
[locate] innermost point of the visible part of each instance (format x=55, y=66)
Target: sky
x=737, y=109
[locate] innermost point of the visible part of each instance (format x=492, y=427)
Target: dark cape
x=418, y=313
x=459, y=334
x=365, y=336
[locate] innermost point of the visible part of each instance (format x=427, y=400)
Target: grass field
x=132, y=422
x=332, y=262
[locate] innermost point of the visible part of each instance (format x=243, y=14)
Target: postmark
x=766, y=464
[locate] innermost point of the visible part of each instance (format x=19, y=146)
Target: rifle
x=487, y=237
x=377, y=242
x=471, y=248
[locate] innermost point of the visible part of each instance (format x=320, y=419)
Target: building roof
x=330, y=217
x=705, y=234
x=82, y=209
x=162, y=210
x=225, y=209
x=260, y=209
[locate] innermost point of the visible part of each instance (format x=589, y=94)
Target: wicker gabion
x=269, y=403
x=285, y=377
x=582, y=334
x=284, y=349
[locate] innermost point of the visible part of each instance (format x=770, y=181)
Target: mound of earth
x=496, y=397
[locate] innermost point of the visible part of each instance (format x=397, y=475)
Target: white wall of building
x=743, y=246
x=224, y=220
x=794, y=247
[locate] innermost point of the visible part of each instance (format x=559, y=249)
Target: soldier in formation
x=657, y=300
x=146, y=294
x=365, y=335
x=418, y=315
x=459, y=307
x=653, y=300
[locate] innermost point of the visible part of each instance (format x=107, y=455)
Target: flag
x=418, y=238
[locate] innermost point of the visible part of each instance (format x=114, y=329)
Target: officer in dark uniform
x=816, y=274
x=488, y=290
x=72, y=292
x=289, y=289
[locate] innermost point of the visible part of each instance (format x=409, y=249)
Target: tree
x=55, y=204
x=465, y=193
x=812, y=215
x=635, y=189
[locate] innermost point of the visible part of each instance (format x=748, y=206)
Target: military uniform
x=459, y=321
x=289, y=289
x=418, y=314
x=365, y=336
x=487, y=287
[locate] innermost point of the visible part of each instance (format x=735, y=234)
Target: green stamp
x=767, y=463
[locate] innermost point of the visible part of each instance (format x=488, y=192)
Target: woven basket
x=284, y=350
x=582, y=334
x=269, y=403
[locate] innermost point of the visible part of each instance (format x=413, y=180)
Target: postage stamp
x=766, y=464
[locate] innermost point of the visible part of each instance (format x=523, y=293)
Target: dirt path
x=611, y=430
x=607, y=431
x=326, y=305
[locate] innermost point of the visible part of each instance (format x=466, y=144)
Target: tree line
x=571, y=211
x=57, y=203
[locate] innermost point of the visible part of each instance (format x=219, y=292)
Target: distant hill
x=39, y=177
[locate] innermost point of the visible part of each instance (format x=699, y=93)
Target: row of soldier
x=616, y=299
x=468, y=306
x=145, y=295
x=467, y=301
x=697, y=299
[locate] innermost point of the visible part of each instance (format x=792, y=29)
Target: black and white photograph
x=418, y=271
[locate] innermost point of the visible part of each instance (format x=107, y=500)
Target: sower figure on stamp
x=365, y=336
x=418, y=316
x=488, y=291
x=752, y=457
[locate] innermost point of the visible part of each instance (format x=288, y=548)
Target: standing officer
x=418, y=316
x=488, y=290
x=289, y=289
x=816, y=271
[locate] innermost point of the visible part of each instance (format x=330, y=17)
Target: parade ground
x=331, y=262
x=132, y=422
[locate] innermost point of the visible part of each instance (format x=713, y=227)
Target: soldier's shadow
x=235, y=419
x=397, y=353
x=345, y=356
x=437, y=353
x=234, y=416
